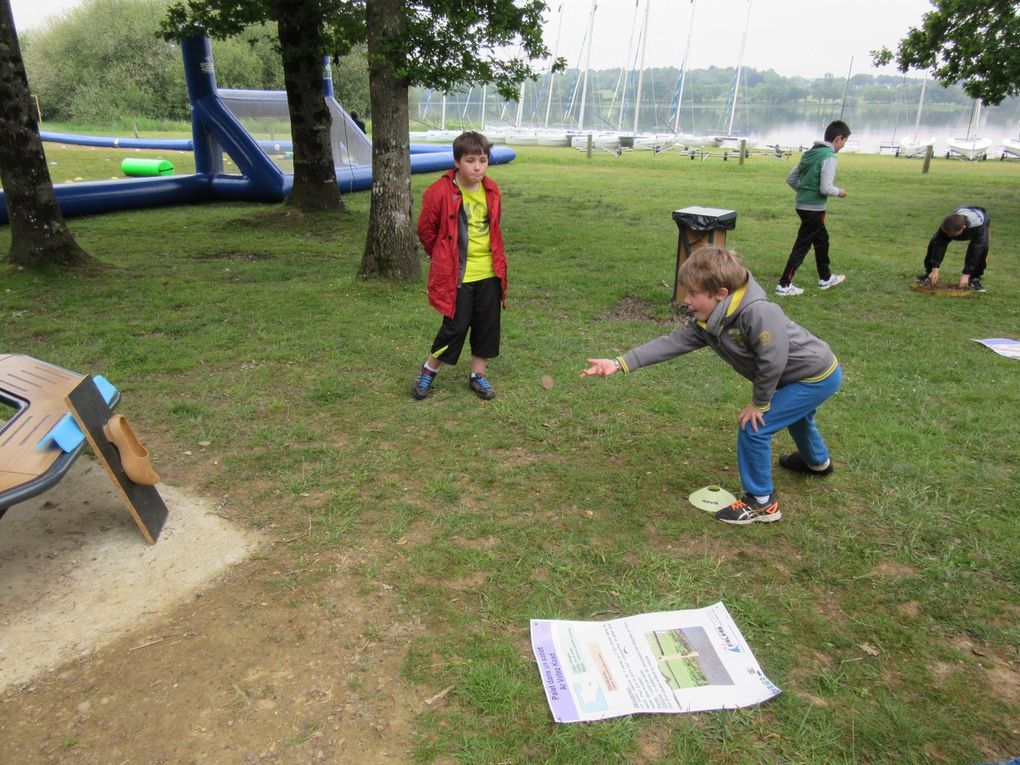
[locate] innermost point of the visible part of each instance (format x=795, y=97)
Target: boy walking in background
x=791, y=370
x=968, y=224
x=459, y=229
x=814, y=180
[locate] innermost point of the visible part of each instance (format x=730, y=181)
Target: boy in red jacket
x=459, y=229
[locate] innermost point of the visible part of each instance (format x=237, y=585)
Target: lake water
x=871, y=126
x=798, y=124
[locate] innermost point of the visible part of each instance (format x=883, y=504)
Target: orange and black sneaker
x=747, y=509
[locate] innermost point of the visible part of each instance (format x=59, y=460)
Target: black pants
x=478, y=310
x=812, y=232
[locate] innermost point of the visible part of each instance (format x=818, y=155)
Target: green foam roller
x=141, y=167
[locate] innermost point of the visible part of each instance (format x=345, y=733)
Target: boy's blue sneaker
x=747, y=509
x=480, y=385
x=422, y=386
x=798, y=464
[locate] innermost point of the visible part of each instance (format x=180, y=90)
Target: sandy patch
x=75, y=573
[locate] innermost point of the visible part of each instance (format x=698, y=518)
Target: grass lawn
x=886, y=602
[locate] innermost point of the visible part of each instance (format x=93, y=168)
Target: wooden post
x=927, y=159
x=743, y=148
x=589, y=145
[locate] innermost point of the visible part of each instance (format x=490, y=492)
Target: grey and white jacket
x=754, y=337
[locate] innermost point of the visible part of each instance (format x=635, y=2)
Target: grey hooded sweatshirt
x=754, y=337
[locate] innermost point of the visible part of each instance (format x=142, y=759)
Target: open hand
x=600, y=368
x=751, y=414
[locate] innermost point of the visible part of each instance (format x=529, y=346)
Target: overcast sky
x=795, y=37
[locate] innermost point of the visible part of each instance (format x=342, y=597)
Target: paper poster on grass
x=664, y=662
x=1004, y=346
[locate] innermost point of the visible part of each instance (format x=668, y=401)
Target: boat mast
x=641, y=71
x=846, y=88
x=920, y=108
x=587, y=64
x=683, y=72
x=520, y=107
x=740, y=66
x=624, y=71
x=972, y=129
x=552, y=77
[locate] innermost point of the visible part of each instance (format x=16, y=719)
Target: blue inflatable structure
x=217, y=131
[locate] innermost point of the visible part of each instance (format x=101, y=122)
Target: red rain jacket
x=439, y=231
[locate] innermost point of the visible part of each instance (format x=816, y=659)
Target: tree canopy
x=973, y=41
x=101, y=63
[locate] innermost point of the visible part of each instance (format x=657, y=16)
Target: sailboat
x=971, y=146
x=606, y=141
x=730, y=140
x=680, y=139
x=549, y=136
x=916, y=147
x=1011, y=147
x=654, y=142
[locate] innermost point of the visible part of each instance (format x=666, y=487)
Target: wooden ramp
x=43, y=394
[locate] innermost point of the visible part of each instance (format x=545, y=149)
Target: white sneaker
x=832, y=281
x=788, y=291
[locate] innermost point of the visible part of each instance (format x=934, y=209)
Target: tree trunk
x=39, y=235
x=302, y=46
x=391, y=250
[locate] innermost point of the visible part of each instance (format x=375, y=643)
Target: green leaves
x=976, y=41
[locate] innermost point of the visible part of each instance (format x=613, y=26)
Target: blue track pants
x=793, y=407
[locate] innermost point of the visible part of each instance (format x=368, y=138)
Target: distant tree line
x=103, y=62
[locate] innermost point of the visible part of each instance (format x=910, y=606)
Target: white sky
x=795, y=37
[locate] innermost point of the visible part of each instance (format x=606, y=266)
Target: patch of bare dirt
x=911, y=608
x=942, y=289
x=249, y=257
x=891, y=568
x=254, y=664
x=637, y=309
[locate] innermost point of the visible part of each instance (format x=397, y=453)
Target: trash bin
x=699, y=227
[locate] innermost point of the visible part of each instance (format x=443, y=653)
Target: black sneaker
x=798, y=464
x=976, y=286
x=750, y=510
x=922, y=279
x=480, y=385
x=422, y=386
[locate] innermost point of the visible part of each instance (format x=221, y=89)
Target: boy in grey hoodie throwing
x=791, y=370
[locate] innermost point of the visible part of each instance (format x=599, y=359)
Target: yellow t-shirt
x=479, y=253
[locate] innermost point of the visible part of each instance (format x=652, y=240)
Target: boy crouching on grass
x=459, y=229
x=792, y=372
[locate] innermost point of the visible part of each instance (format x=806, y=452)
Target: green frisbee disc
x=711, y=498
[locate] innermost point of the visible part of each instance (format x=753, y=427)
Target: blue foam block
x=66, y=434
